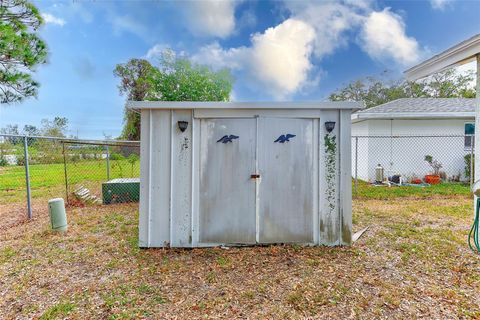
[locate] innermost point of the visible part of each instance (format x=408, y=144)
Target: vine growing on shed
x=330, y=169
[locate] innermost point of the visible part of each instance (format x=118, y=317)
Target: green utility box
x=121, y=190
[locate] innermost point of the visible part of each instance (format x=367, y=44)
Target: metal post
x=27, y=176
x=108, y=162
x=477, y=122
x=472, y=144
x=476, y=167
x=65, y=171
x=356, y=165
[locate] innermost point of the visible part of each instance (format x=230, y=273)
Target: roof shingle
x=423, y=105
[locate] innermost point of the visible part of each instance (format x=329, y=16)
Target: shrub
x=132, y=159
x=116, y=156
x=20, y=160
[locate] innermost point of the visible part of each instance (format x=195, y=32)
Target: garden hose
x=474, y=230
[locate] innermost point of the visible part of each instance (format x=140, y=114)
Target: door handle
x=255, y=176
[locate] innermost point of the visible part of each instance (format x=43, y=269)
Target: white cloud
x=277, y=60
x=383, y=36
x=281, y=57
x=285, y=59
x=362, y=4
x=331, y=21
x=156, y=51
x=71, y=11
x=247, y=19
x=382, y=33
x=214, y=18
x=215, y=56
x=440, y=4
x=51, y=19
x=125, y=23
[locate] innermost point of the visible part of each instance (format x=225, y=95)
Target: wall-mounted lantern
x=182, y=125
x=329, y=126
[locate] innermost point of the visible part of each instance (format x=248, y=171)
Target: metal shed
x=244, y=173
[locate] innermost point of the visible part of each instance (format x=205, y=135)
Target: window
x=469, y=134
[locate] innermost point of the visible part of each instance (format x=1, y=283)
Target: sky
x=276, y=50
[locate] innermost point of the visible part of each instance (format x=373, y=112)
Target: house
x=234, y=173
x=461, y=53
x=399, y=134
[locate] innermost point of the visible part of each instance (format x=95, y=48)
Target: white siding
x=160, y=188
x=181, y=222
x=360, y=150
x=345, y=189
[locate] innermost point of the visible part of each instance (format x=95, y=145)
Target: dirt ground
x=413, y=262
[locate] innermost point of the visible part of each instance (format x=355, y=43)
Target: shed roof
x=413, y=108
x=245, y=105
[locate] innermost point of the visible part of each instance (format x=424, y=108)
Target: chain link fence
x=412, y=158
x=35, y=169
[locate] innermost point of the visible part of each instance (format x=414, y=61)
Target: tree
x=11, y=129
x=136, y=81
x=181, y=80
x=175, y=79
x=31, y=130
x=450, y=84
x=54, y=128
x=375, y=91
x=20, y=50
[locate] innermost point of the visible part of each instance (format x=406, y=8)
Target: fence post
x=356, y=166
x=65, y=171
x=27, y=176
x=108, y=162
x=472, y=161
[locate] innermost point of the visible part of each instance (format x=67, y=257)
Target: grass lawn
x=413, y=262
x=49, y=179
x=368, y=191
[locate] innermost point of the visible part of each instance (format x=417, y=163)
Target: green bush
x=116, y=156
x=75, y=157
x=133, y=159
x=20, y=161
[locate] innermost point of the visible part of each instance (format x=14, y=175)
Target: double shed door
x=256, y=180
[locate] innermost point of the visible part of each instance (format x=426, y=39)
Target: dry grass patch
x=413, y=262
